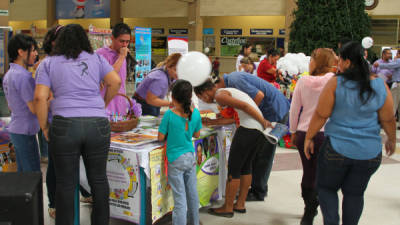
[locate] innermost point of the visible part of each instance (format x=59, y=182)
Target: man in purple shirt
x=116, y=55
x=19, y=87
x=385, y=74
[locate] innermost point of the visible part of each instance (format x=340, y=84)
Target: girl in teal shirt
x=178, y=126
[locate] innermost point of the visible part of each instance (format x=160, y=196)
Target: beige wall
x=242, y=8
x=24, y=10
x=4, y=19
x=385, y=8
x=153, y=8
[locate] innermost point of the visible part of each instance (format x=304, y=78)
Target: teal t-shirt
x=179, y=140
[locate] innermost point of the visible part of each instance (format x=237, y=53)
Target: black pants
x=70, y=138
x=262, y=166
x=245, y=144
x=147, y=109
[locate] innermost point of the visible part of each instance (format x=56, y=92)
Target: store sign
x=157, y=31
x=3, y=12
x=233, y=41
x=231, y=31
x=282, y=31
x=208, y=31
x=178, y=31
x=261, y=31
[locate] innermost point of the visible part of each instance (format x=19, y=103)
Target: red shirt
x=262, y=71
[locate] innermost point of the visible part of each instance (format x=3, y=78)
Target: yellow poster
x=162, y=201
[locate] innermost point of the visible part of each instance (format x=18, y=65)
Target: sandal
x=86, y=199
x=52, y=212
x=222, y=214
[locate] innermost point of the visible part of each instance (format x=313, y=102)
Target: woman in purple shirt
x=151, y=91
x=19, y=87
x=79, y=127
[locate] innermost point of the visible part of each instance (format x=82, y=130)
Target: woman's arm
x=295, y=107
x=161, y=136
x=388, y=122
x=154, y=100
x=112, y=82
x=224, y=98
x=40, y=102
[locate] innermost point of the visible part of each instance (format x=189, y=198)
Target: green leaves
x=323, y=23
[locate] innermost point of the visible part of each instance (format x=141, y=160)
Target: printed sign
x=178, y=31
x=261, y=31
x=231, y=31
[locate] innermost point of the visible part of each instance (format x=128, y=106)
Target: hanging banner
x=178, y=45
x=2, y=51
x=162, y=200
x=77, y=9
x=207, y=155
x=124, y=180
x=143, y=53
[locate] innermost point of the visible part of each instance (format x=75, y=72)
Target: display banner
x=143, y=53
x=124, y=180
x=77, y=9
x=178, y=45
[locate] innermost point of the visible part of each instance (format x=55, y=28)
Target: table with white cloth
x=136, y=171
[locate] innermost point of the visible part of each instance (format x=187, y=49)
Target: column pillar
x=291, y=5
x=115, y=12
x=195, y=26
x=51, y=14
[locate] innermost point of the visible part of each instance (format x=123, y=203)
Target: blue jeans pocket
x=60, y=127
x=103, y=127
x=331, y=156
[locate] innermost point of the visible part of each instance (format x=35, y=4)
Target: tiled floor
x=284, y=205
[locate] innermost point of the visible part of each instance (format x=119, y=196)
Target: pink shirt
x=118, y=104
x=305, y=99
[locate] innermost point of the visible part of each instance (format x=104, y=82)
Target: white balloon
x=194, y=67
x=367, y=42
x=207, y=50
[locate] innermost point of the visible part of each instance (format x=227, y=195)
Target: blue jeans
x=43, y=145
x=183, y=181
x=70, y=138
x=334, y=172
x=27, y=152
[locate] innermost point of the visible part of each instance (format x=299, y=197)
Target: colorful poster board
x=78, y=9
x=178, y=45
x=143, y=53
x=124, y=179
x=2, y=51
x=162, y=200
x=207, y=156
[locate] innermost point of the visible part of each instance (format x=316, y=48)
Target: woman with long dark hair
x=19, y=86
x=358, y=105
x=73, y=74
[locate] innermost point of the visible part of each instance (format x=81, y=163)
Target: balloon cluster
x=293, y=64
x=194, y=67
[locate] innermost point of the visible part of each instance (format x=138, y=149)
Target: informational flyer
x=162, y=200
x=178, y=45
x=143, y=53
x=207, y=155
x=124, y=179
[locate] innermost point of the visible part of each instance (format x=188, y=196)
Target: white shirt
x=246, y=120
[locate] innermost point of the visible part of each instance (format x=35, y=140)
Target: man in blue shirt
x=395, y=67
x=275, y=108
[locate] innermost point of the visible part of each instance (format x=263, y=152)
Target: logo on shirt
x=84, y=67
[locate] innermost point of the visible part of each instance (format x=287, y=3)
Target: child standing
x=178, y=126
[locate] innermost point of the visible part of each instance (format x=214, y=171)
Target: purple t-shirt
x=118, y=104
x=156, y=82
x=75, y=84
x=19, y=87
